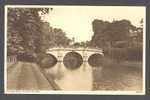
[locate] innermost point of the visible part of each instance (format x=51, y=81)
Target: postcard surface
x=75, y=49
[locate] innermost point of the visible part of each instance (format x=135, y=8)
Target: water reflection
x=78, y=79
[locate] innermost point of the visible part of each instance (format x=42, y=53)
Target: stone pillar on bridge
x=85, y=53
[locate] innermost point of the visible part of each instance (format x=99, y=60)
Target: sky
x=76, y=21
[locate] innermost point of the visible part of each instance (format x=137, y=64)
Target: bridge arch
x=48, y=61
x=72, y=60
x=95, y=60
x=85, y=53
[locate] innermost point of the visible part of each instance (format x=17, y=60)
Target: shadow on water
x=118, y=76
x=110, y=76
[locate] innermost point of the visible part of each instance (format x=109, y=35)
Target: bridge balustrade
x=73, y=58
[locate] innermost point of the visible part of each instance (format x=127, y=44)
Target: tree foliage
x=23, y=30
x=106, y=33
x=53, y=37
x=27, y=34
x=119, y=39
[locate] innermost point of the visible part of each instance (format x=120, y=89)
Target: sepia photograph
x=63, y=49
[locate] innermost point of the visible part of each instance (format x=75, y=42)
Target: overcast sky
x=76, y=21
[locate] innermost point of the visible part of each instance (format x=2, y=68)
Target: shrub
x=132, y=53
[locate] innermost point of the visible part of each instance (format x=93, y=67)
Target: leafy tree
x=60, y=38
x=24, y=30
x=98, y=27
x=107, y=34
x=76, y=44
x=118, y=31
x=140, y=31
x=29, y=35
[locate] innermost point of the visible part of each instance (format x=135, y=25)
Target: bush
x=26, y=57
x=132, y=53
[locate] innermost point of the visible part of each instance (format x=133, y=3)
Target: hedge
x=132, y=53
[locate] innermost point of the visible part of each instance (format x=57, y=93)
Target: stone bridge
x=71, y=64
x=76, y=56
x=66, y=68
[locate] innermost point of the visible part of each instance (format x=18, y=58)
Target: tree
x=107, y=34
x=98, y=27
x=29, y=35
x=24, y=25
x=118, y=31
x=60, y=38
x=140, y=31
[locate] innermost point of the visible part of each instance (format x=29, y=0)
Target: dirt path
x=26, y=76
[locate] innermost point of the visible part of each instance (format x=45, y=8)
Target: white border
x=72, y=92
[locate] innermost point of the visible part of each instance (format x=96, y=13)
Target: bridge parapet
x=60, y=52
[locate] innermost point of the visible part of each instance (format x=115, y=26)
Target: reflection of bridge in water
x=69, y=68
x=28, y=75
x=73, y=66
